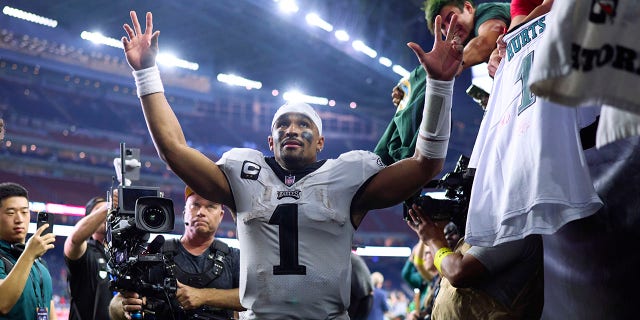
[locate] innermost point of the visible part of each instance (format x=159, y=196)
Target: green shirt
x=491, y=10
x=399, y=139
x=37, y=291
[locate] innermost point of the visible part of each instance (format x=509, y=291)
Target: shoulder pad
x=360, y=155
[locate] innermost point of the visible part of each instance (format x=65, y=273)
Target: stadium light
x=341, y=35
x=28, y=16
x=287, y=6
x=239, y=81
x=173, y=61
x=400, y=70
x=98, y=38
x=385, y=61
x=162, y=58
x=300, y=97
x=314, y=20
x=360, y=46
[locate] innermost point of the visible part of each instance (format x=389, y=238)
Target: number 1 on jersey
x=528, y=98
x=286, y=218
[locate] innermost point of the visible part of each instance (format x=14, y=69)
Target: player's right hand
x=444, y=60
x=140, y=48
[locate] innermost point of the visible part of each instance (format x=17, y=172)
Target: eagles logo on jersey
x=289, y=193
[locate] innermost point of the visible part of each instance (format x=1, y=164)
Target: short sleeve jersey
x=296, y=240
x=531, y=177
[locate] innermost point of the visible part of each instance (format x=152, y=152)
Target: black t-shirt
x=192, y=266
x=89, y=284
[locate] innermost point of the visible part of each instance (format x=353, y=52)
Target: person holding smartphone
x=25, y=281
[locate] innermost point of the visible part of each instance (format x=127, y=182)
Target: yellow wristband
x=418, y=261
x=437, y=260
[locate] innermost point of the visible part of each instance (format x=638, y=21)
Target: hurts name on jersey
x=525, y=36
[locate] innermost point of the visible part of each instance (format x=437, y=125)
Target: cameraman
x=501, y=282
x=195, y=257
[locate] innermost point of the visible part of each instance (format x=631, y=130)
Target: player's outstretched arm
x=404, y=178
x=194, y=168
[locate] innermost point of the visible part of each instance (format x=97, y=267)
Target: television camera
x=455, y=205
x=139, y=211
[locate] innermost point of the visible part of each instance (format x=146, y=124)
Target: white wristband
x=148, y=81
x=435, y=128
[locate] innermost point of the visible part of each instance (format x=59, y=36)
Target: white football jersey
x=531, y=176
x=295, y=242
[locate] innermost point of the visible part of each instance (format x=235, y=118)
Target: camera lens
x=154, y=217
x=154, y=214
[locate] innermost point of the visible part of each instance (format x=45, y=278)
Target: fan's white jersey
x=531, y=175
x=591, y=55
x=592, y=58
x=295, y=242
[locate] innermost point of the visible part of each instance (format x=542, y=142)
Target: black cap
x=92, y=204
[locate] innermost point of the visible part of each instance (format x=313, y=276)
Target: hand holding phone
x=43, y=218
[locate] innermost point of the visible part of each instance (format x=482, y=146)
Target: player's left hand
x=444, y=60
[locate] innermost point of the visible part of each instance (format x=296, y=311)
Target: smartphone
x=43, y=218
x=479, y=95
x=476, y=92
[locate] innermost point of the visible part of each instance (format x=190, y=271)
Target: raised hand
x=444, y=60
x=140, y=48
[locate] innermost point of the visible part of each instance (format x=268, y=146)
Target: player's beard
x=292, y=158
